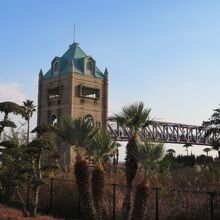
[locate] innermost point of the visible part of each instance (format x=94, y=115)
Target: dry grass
x=171, y=204
x=7, y=213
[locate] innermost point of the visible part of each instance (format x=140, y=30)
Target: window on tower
x=56, y=66
x=87, y=92
x=90, y=119
x=89, y=67
x=54, y=93
x=53, y=120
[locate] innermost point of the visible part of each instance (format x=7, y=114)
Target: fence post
x=28, y=193
x=51, y=193
x=114, y=199
x=156, y=203
x=211, y=205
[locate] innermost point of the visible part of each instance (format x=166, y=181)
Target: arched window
x=55, y=67
x=53, y=120
x=89, y=67
x=90, y=119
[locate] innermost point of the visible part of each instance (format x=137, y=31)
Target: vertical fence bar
x=51, y=193
x=156, y=203
x=211, y=206
x=114, y=200
x=28, y=193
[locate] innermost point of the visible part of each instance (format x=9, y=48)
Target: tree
x=42, y=160
x=206, y=150
x=102, y=147
x=171, y=152
x=28, y=109
x=134, y=117
x=78, y=133
x=213, y=128
x=185, y=161
x=14, y=168
x=6, y=108
x=204, y=160
x=150, y=157
x=187, y=145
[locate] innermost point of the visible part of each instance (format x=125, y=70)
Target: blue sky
x=165, y=53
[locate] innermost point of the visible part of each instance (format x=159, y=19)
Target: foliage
x=206, y=150
x=6, y=108
x=213, y=127
x=204, y=160
x=134, y=117
x=101, y=149
x=79, y=132
x=184, y=161
x=150, y=156
x=10, y=107
x=28, y=109
x=14, y=166
x=21, y=162
x=171, y=152
x=41, y=153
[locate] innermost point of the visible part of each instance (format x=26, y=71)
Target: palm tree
x=149, y=157
x=79, y=133
x=206, y=150
x=171, y=152
x=29, y=109
x=134, y=117
x=216, y=146
x=187, y=145
x=213, y=127
x=102, y=147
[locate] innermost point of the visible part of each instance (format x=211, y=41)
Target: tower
x=73, y=86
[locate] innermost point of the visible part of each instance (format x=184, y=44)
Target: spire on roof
x=106, y=73
x=41, y=73
x=74, y=34
x=74, y=45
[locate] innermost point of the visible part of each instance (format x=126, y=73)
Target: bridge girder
x=167, y=133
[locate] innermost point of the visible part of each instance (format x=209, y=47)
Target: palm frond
x=78, y=132
x=102, y=146
x=134, y=116
x=149, y=156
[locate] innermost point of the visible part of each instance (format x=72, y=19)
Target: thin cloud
x=192, y=85
x=11, y=92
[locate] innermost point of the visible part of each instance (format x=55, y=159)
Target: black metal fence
x=60, y=198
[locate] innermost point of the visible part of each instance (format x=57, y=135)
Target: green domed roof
x=73, y=56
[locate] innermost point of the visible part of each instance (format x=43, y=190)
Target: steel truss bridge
x=167, y=133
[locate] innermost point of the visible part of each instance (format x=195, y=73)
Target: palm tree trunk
x=126, y=204
x=83, y=184
x=28, y=129
x=140, y=202
x=131, y=166
x=98, y=183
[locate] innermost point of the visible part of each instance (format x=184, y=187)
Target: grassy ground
x=7, y=213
